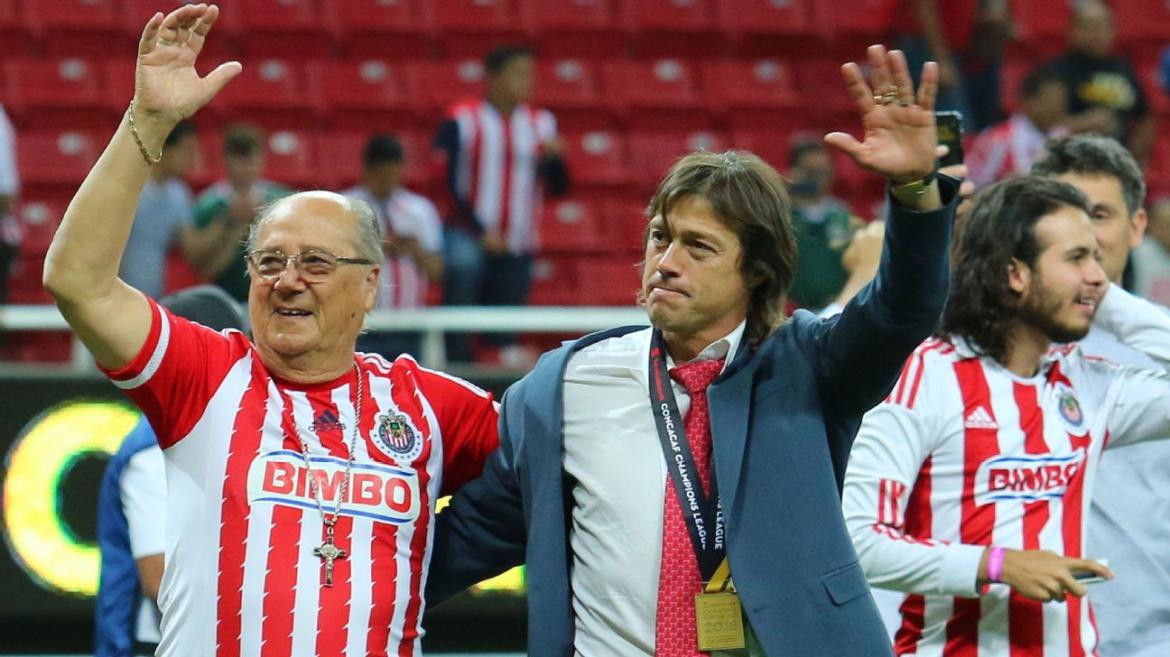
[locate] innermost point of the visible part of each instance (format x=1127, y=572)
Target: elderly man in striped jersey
x=301, y=476
x=968, y=489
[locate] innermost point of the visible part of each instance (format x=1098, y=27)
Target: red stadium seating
x=32, y=86
x=566, y=84
x=624, y=219
x=290, y=158
x=658, y=94
x=1040, y=27
x=441, y=83
x=377, y=28
x=573, y=28
x=272, y=92
x=367, y=91
x=40, y=218
x=571, y=226
x=869, y=18
x=555, y=281
x=610, y=281
x=770, y=17
x=772, y=144
x=56, y=157
x=653, y=153
x=1142, y=20
x=764, y=84
x=669, y=15
x=14, y=39
x=597, y=157
x=267, y=27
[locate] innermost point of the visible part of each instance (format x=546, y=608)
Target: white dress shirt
x=613, y=455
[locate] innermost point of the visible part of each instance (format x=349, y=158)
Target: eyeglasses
x=314, y=265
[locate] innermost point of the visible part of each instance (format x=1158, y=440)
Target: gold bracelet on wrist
x=913, y=188
x=150, y=161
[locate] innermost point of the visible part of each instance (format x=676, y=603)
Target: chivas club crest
x=397, y=438
x=1070, y=411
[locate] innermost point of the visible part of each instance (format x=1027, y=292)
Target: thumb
x=222, y=75
x=844, y=142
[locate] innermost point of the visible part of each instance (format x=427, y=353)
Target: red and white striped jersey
x=964, y=454
x=497, y=168
x=403, y=284
x=241, y=576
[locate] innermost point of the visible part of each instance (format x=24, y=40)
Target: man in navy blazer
x=579, y=488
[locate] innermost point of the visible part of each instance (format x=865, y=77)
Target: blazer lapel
x=730, y=398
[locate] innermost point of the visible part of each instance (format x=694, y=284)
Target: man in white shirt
x=635, y=501
x=1133, y=610
x=412, y=240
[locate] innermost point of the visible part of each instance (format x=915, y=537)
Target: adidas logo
x=979, y=419
x=327, y=420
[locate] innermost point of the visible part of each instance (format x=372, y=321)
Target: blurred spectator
x=1009, y=148
x=1151, y=259
x=412, y=241
x=966, y=38
x=230, y=205
x=164, y=217
x=824, y=225
x=10, y=231
x=1105, y=96
x=499, y=150
x=131, y=509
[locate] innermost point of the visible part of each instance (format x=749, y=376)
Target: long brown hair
x=748, y=196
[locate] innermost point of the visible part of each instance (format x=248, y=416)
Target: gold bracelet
x=151, y=161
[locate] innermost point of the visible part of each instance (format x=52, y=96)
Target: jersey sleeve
x=177, y=371
x=143, y=489
x=884, y=507
x=468, y=417
x=1140, y=408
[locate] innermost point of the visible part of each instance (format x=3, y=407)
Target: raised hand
x=899, y=142
x=166, y=86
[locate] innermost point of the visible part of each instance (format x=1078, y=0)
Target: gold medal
x=719, y=621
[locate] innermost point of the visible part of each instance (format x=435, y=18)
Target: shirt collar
x=724, y=347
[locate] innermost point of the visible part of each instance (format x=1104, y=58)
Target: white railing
x=433, y=323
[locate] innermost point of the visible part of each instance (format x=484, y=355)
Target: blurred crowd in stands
x=472, y=227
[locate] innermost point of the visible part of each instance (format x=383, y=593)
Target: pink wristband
x=995, y=564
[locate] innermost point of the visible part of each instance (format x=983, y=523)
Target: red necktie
x=678, y=579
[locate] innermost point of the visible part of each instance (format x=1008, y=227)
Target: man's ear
x=1019, y=276
x=1137, y=227
x=372, y=287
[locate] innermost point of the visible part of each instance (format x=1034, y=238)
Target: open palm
x=899, y=140
x=166, y=84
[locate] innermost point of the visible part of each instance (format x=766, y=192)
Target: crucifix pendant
x=328, y=552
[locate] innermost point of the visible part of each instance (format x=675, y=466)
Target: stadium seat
x=469, y=28
x=290, y=159
x=1141, y=20
x=442, y=83
x=597, y=157
x=764, y=84
x=69, y=83
x=859, y=18
x=378, y=28
x=1040, y=20
x=555, y=281
x=767, y=17
x=771, y=145
x=624, y=221
x=362, y=91
x=570, y=225
x=72, y=15
x=573, y=28
x=653, y=153
x=339, y=157
x=14, y=35
x=40, y=217
x=668, y=15
x=566, y=84
x=56, y=157
x=271, y=92
x=265, y=28
x=607, y=281
x=209, y=164
x=655, y=95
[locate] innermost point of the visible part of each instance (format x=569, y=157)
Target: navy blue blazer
x=783, y=419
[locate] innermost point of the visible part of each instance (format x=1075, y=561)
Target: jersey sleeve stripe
x=479, y=392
